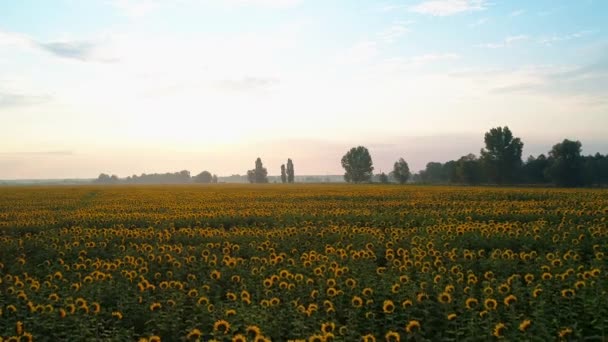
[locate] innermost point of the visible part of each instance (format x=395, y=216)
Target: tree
x=567, y=167
x=468, y=169
x=401, y=171
x=260, y=172
x=214, y=179
x=290, y=171
x=203, y=177
x=358, y=165
x=502, y=156
x=283, y=174
x=534, y=170
x=251, y=176
x=383, y=178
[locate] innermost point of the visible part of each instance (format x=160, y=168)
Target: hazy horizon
x=129, y=87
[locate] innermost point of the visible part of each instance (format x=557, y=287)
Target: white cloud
x=557, y=39
x=517, y=13
x=479, y=22
x=509, y=41
x=395, y=32
x=442, y=8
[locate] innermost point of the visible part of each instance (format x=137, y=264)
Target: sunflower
x=490, y=304
x=327, y=328
x=452, y=316
x=155, y=306
x=117, y=314
x=471, y=303
x=96, y=308
x=154, y=338
x=499, y=330
x=422, y=296
x=510, y=299
x=565, y=332
x=221, y=326
x=388, y=306
x=239, y=338
x=444, y=298
x=19, y=328
x=392, y=336
x=406, y=303
x=524, y=325
x=357, y=301
x=316, y=338
x=367, y=291
x=216, y=275
x=368, y=338
x=567, y=293
x=412, y=326
x=253, y=330
x=537, y=292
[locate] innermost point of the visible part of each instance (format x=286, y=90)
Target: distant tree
x=184, y=176
x=449, y=171
x=103, y=178
x=401, y=171
x=283, y=174
x=383, y=178
x=203, y=177
x=290, y=171
x=534, y=170
x=358, y=165
x=251, y=176
x=502, y=156
x=567, y=167
x=214, y=179
x=468, y=169
x=260, y=172
x=432, y=173
x=114, y=179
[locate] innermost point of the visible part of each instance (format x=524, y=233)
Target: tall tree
x=401, y=171
x=502, y=156
x=534, y=170
x=567, y=167
x=468, y=169
x=214, y=179
x=358, y=165
x=203, y=177
x=290, y=171
x=283, y=174
x=260, y=172
x=251, y=176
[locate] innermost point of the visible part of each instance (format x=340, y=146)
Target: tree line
x=259, y=174
x=500, y=162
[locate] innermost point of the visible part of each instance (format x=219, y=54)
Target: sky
x=141, y=86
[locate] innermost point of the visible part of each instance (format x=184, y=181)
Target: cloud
x=509, y=41
x=588, y=83
x=517, y=13
x=395, y=31
x=479, y=22
x=247, y=84
x=136, y=8
x=85, y=51
x=74, y=49
x=558, y=39
x=17, y=100
x=441, y=8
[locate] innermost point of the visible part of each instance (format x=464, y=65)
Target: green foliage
x=358, y=166
x=567, y=167
x=290, y=171
x=401, y=171
x=203, y=177
x=502, y=156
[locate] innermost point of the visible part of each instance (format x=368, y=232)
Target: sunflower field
x=302, y=263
